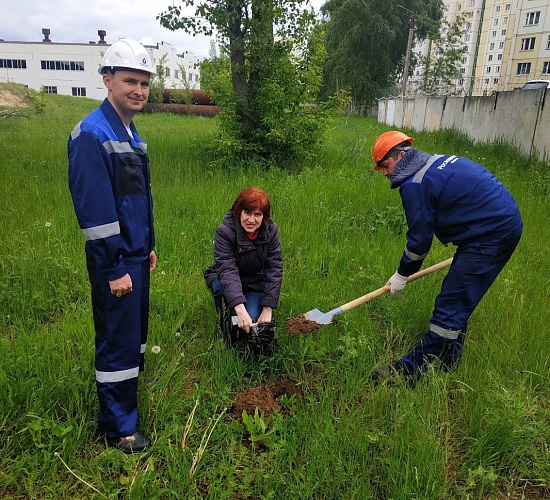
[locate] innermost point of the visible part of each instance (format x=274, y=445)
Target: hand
x=121, y=286
x=397, y=283
x=152, y=260
x=244, y=320
x=266, y=315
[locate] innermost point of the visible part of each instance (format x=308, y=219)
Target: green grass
x=481, y=431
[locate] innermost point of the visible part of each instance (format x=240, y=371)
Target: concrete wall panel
x=434, y=111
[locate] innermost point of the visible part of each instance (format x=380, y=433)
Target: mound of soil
x=300, y=325
x=264, y=397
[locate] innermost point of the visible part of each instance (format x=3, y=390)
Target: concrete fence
x=517, y=117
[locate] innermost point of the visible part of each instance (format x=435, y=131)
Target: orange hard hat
x=385, y=143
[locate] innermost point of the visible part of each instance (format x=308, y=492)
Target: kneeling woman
x=245, y=278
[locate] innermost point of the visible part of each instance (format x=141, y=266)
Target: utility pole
x=408, y=53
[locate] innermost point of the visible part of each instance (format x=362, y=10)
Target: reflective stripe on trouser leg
x=121, y=325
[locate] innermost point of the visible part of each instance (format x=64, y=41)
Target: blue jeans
x=253, y=300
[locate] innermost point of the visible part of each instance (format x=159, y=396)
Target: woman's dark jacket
x=240, y=263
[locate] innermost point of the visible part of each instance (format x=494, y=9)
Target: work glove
x=397, y=283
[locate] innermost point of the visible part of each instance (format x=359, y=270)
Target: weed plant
x=481, y=431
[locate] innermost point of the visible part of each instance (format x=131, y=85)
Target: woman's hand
x=266, y=316
x=244, y=320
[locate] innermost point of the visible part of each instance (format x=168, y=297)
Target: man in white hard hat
x=109, y=180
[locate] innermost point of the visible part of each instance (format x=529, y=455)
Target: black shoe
x=136, y=443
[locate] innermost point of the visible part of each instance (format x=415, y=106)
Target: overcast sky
x=77, y=21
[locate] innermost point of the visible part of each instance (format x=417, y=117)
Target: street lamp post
x=408, y=53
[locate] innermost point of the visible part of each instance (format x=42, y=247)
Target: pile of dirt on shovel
x=265, y=397
x=300, y=325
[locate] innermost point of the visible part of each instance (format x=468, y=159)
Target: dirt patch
x=265, y=397
x=300, y=325
x=9, y=99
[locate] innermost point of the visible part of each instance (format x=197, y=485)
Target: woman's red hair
x=252, y=198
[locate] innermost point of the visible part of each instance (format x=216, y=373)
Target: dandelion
x=155, y=349
x=48, y=224
x=178, y=334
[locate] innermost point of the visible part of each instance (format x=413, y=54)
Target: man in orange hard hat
x=460, y=202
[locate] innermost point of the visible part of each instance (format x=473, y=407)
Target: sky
x=78, y=21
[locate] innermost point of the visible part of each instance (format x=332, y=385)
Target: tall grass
x=481, y=431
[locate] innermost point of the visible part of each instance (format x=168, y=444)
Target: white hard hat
x=127, y=54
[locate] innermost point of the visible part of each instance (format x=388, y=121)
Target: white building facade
x=71, y=68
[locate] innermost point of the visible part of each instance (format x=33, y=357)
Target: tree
x=367, y=41
x=266, y=75
x=442, y=63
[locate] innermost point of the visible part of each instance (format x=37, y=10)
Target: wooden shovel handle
x=387, y=288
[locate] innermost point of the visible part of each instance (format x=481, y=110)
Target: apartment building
x=71, y=68
x=507, y=44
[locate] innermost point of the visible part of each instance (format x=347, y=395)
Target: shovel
x=315, y=319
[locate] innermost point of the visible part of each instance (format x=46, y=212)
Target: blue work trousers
x=473, y=270
x=121, y=325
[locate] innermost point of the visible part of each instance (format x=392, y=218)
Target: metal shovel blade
x=321, y=317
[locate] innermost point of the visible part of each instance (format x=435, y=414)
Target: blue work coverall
x=460, y=202
x=109, y=180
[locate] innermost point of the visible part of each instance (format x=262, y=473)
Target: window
x=495, y=21
x=488, y=69
x=50, y=90
x=490, y=58
x=498, y=8
x=507, y=8
x=459, y=6
x=63, y=65
x=79, y=91
x=546, y=68
x=176, y=74
x=468, y=26
x=464, y=60
x=548, y=43
x=499, y=57
x=532, y=18
x=461, y=81
x=462, y=71
x=505, y=20
x=523, y=68
x=527, y=43
x=501, y=45
x=491, y=46
x=471, y=3
x=503, y=33
x=167, y=72
x=497, y=69
x=467, y=38
x=494, y=33
x=13, y=63
x=495, y=81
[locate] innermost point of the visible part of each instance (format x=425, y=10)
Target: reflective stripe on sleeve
x=118, y=376
x=414, y=256
x=142, y=348
x=99, y=232
x=446, y=333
